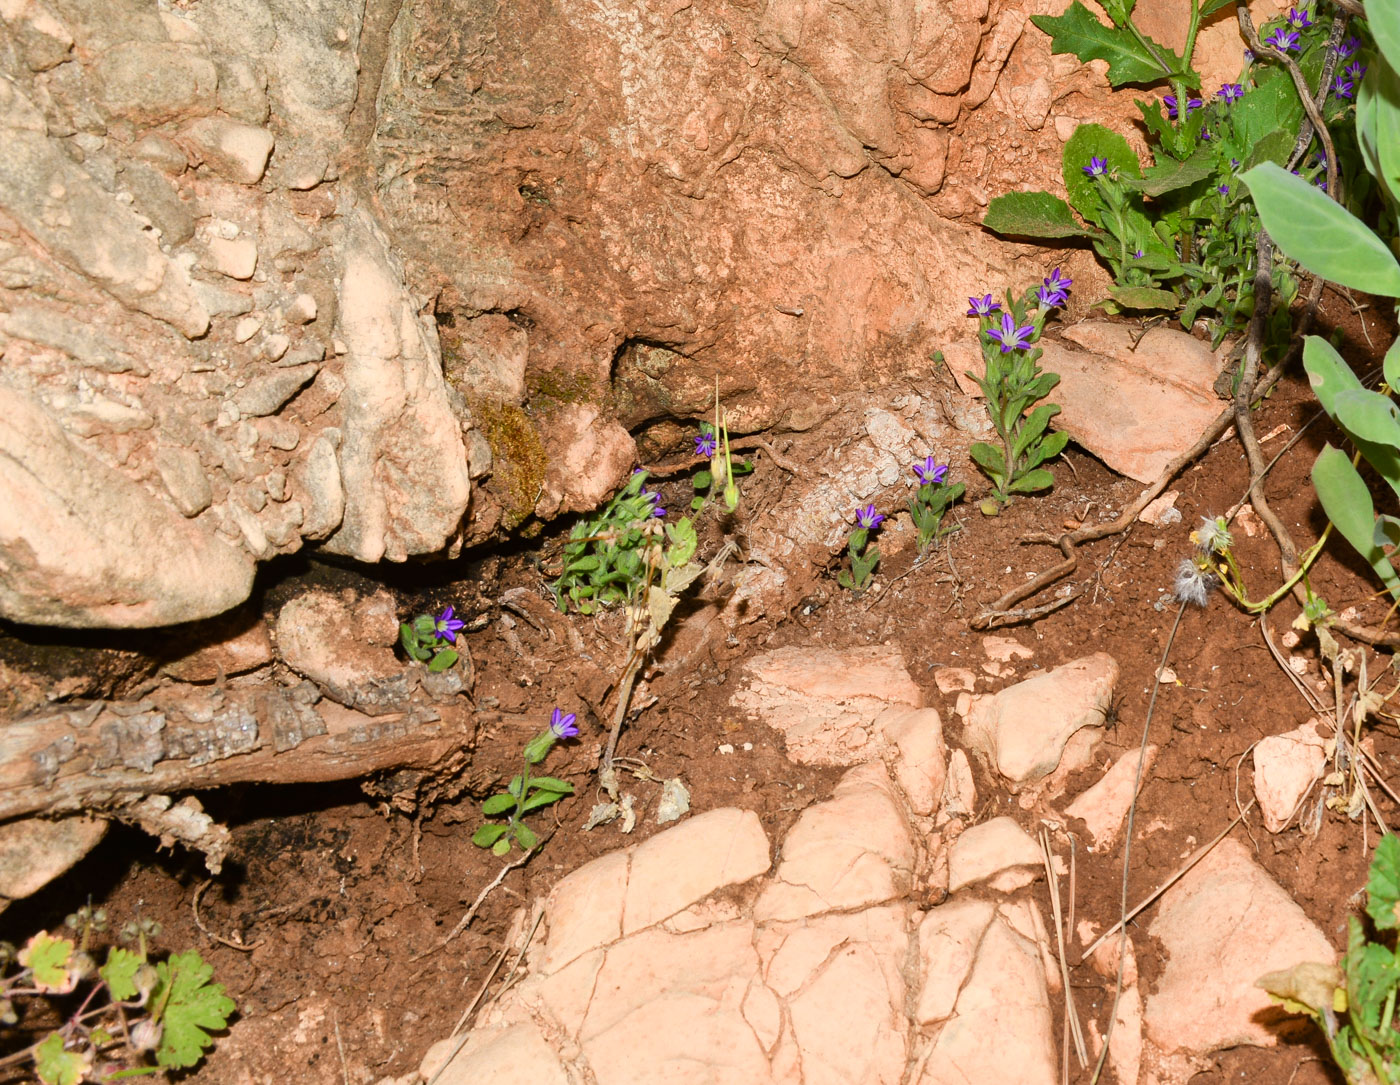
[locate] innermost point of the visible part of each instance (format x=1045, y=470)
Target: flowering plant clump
x=931, y=501
x=1180, y=234
x=525, y=792
x=1012, y=382
x=717, y=480
x=135, y=1011
x=605, y=557
x=431, y=640
x=863, y=557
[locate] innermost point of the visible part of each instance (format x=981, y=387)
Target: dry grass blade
x=1052, y=880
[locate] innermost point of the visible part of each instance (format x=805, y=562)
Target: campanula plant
x=526, y=792
x=605, y=557
x=430, y=639
x=931, y=500
x=1012, y=383
x=863, y=557
x=717, y=481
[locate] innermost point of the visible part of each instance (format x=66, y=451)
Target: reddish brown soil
x=347, y=903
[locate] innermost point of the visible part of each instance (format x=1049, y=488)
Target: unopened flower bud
x=146, y=979
x=146, y=1034
x=81, y=965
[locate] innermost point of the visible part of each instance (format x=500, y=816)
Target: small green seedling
x=429, y=640
x=526, y=793
x=863, y=557
x=931, y=501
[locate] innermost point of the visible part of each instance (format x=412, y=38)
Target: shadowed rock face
x=226, y=228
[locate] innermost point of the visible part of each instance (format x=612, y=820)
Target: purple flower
x=1137, y=255
x=705, y=445
x=1050, y=298
x=446, y=627
x=1351, y=45
x=1234, y=163
x=1283, y=40
x=1205, y=135
x=1299, y=19
x=655, y=499
x=1058, y=282
x=1356, y=70
x=1170, y=102
x=1097, y=167
x=1342, y=87
x=868, y=518
x=1010, y=336
x=1231, y=92
x=562, y=726
x=1224, y=190
x=930, y=471
x=1249, y=56
x=983, y=306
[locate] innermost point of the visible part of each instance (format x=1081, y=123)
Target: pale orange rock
x=1223, y=925
x=1104, y=805
x=244, y=646
x=1005, y=649
x=1285, y=768
x=1022, y=731
x=952, y=679
x=959, y=789
x=514, y=1055
x=999, y=851
x=918, y=758
x=948, y=941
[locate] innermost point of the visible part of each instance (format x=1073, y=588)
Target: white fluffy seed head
x=1192, y=584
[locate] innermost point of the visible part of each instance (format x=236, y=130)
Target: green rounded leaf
x=488, y=835
x=1320, y=234
x=1033, y=214
x=443, y=660
x=496, y=805
x=1348, y=504
x=1383, y=17
x=526, y=836
x=1328, y=373
x=501, y=847
x=1370, y=416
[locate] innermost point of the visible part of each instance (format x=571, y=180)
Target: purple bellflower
x=983, y=306
x=1009, y=335
x=705, y=445
x=1049, y=299
x=868, y=518
x=1170, y=102
x=1230, y=92
x=931, y=471
x=1056, y=281
x=1097, y=167
x=1283, y=40
x=1342, y=87
x=1351, y=45
x=446, y=627
x=1356, y=70
x=561, y=725
x=1299, y=19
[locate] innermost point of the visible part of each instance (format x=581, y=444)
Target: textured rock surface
x=1285, y=768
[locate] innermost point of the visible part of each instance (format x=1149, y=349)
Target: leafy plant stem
x=1191, y=29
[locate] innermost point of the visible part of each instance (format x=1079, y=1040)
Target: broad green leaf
x=193, y=1007
x=56, y=1066
x=526, y=836
x=1274, y=147
x=1391, y=366
x=1088, y=142
x=1370, y=416
x=1383, y=17
x=1328, y=374
x=49, y=958
x=988, y=458
x=1031, y=481
x=498, y=804
x=119, y=973
x=1320, y=234
x=1171, y=175
x=1051, y=447
x=1032, y=214
x=443, y=660
x=1347, y=502
x=542, y=798
x=1118, y=10
x=501, y=846
x=1210, y=7
x=1386, y=111
x=1269, y=109
x=1077, y=31
x=1383, y=885
x=1143, y=297
x=552, y=783
x=488, y=835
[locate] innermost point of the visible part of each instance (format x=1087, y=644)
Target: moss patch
x=518, y=457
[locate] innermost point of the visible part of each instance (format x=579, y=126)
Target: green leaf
x=1032, y=214
x=1269, y=109
x=1328, y=374
x=443, y=660
x=1210, y=7
x=501, y=846
x=988, y=458
x=1391, y=366
x=1384, y=20
x=1370, y=416
x=1320, y=234
x=551, y=783
x=1051, y=447
x=498, y=804
x=1171, y=175
x=1385, y=107
x=1274, y=147
x=49, y=959
x=526, y=836
x=56, y=1066
x=1383, y=885
x=488, y=835
x=539, y=799
x=1088, y=142
x=1347, y=502
x=193, y=1007
x=119, y=973
x=1031, y=481
x=1142, y=297
x=1077, y=31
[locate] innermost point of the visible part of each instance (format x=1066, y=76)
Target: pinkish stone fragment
x=1104, y=805
x=1285, y=768
x=998, y=850
x=1225, y=924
